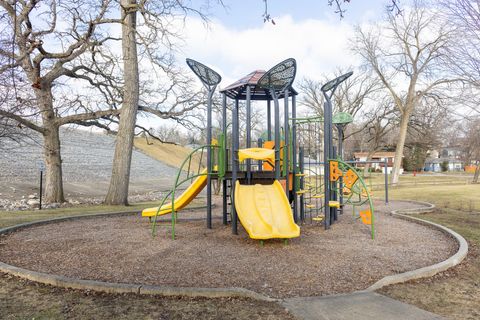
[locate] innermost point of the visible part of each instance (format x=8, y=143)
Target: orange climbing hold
x=335, y=171
x=366, y=217
x=350, y=178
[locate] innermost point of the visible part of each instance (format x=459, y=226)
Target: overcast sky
x=237, y=41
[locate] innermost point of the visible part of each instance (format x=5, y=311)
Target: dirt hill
x=170, y=154
x=87, y=162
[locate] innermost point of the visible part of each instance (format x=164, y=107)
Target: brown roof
x=237, y=90
x=380, y=154
x=251, y=78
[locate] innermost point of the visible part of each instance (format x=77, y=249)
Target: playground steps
x=334, y=204
x=229, y=200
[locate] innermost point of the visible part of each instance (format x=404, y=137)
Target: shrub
x=444, y=166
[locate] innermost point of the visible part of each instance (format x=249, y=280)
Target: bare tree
x=407, y=53
x=464, y=53
x=339, y=7
x=471, y=144
x=10, y=130
x=155, y=34
x=352, y=96
x=120, y=179
x=356, y=96
x=380, y=122
x=426, y=130
x=44, y=46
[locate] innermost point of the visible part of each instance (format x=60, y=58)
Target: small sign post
x=41, y=167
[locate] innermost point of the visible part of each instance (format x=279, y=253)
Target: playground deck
x=319, y=262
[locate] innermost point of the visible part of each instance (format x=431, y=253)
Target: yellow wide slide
x=185, y=198
x=264, y=211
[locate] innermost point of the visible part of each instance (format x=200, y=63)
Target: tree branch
x=21, y=120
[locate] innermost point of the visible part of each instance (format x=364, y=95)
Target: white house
x=450, y=157
x=379, y=156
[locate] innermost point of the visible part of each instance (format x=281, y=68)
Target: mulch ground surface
x=319, y=262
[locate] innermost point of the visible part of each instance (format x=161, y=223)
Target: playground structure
x=270, y=188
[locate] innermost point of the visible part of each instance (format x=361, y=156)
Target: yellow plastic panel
x=264, y=211
x=269, y=144
x=185, y=198
x=257, y=154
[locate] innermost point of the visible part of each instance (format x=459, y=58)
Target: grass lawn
x=21, y=299
x=456, y=292
x=458, y=197
x=408, y=180
x=9, y=218
x=453, y=192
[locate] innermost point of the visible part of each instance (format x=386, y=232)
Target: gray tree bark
x=477, y=173
x=51, y=149
x=400, y=146
x=119, y=182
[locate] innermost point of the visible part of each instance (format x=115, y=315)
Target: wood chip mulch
x=320, y=262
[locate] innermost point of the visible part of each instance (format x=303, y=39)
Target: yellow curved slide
x=185, y=198
x=264, y=211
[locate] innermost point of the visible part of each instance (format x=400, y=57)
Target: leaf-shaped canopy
x=280, y=76
x=208, y=77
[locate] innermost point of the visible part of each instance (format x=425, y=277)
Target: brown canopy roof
x=238, y=89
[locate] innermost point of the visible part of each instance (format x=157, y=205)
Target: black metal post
x=224, y=201
x=294, y=160
x=41, y=190
x=277, y=133
x=209, y=158
x=386, y=181
x=224, y=181
x=286, y=145
x=248, y=129
x=260, y=163
x=269, y=120
x=235, y=132
x=326, y=157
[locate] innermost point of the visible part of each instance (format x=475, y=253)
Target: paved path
x=355, y=306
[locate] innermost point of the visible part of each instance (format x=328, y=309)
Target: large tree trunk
x=397, y=162
x=53, y=165
x=367, y=165
x=477, y=173
x=51, y=148
x=118, y=189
